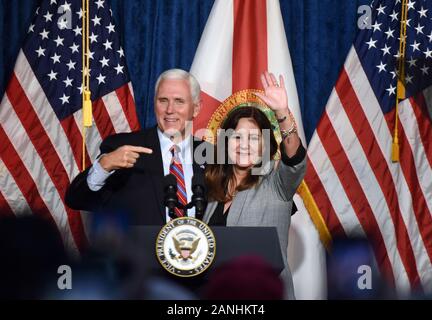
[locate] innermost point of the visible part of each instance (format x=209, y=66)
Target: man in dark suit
x=128, y=175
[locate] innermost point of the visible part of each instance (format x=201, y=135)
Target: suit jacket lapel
x=236, y=208
x=235, y=211
x=198, y=169
x=211, y=207
x=152, y=163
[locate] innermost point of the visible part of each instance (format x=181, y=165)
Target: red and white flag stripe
x=40, y=154
x=359, y=190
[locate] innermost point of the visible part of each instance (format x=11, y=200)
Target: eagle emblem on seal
x=185, y=245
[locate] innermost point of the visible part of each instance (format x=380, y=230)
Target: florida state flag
x=242, y=39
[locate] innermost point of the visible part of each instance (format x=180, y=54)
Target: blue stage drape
x=163, y=34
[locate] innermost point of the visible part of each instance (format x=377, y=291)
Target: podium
x=231, y=242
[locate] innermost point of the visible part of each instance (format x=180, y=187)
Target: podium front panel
x=231, y=242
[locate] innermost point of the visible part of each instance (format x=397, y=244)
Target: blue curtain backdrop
x=163, y=34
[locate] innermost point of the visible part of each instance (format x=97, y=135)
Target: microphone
x=170, y=189
x=199, y=198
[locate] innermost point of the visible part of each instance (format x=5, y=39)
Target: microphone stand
x=171, y=199
x=199, y=200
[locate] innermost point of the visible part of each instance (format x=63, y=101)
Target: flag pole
x=400, y=90
x=86, y=93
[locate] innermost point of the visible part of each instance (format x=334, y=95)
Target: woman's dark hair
x=218, y=176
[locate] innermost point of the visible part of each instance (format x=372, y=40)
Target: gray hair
x=179, y=74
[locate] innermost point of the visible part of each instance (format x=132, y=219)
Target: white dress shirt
x=97, y=176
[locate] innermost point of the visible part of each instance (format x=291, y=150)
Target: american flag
x=358, y=190
x=41, y=116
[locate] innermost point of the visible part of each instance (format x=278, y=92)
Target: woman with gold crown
x=247, y=186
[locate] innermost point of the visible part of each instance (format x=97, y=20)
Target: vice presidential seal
x=185, y=247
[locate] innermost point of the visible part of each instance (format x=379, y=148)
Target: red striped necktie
x=176, y=169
